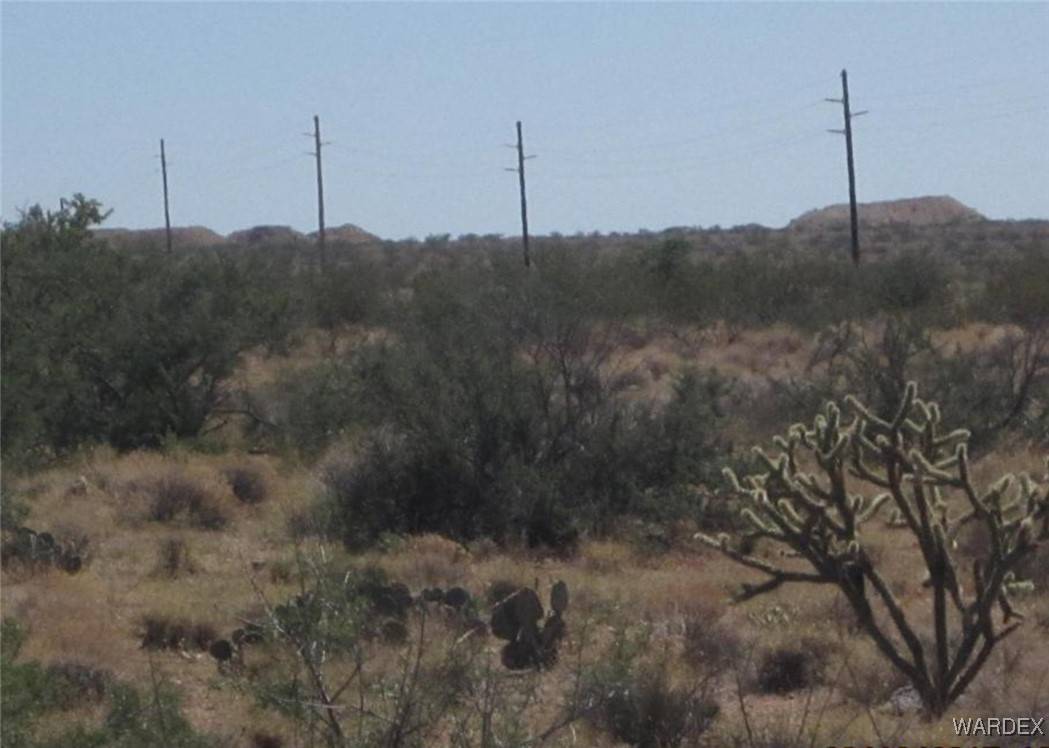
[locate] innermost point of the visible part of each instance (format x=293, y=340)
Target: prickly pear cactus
x=516, y=619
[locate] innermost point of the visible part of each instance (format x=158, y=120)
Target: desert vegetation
x=427, y=496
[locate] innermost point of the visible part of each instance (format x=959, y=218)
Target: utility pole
x=167, y=213
x=320, y=190
x=847, y=132
x=521, y=158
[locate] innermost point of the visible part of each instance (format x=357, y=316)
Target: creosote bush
x=497, y=412
x=122, y=347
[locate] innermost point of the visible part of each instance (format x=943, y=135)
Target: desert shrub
x=496, y=413
x=1018, y=290
x=633, y=701
x=247, y=483
x=907, y=282
x=13, y=509
x=790, y=667
x=318, y=405
x=266, y=740
x=179, y=497
x=121, y=347
x=1000, y=387
x=135, y=720
x=643, y=708
x=77, y=684
x=349, y=293
x=26, y=691
x=161, y=632
x=710, y=646
x=30, y=693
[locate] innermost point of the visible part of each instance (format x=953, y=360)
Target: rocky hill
x=915, y=211
x=182, y=237
x=266, y=235
x=348, y=233
x=196, y=237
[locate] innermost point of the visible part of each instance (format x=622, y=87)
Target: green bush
x=121, y=347
x=1018, y=291
x=497, y=413
x=30, y=693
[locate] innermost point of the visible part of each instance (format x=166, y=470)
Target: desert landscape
x=421, y=495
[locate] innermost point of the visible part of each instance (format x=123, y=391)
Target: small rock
x=905, y=700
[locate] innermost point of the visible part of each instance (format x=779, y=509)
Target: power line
x=696, y=164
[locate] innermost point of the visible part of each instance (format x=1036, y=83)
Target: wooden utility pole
x=164, y=176
x=524, y=199
x=320, y=190
x=847, y=132
x=521, y=158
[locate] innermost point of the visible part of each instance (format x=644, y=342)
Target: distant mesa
x=196, y=237
x=347, y=233
x=266, y=235
x=182, y=237
x=915, y=211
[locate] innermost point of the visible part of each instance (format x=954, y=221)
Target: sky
x=640, y=116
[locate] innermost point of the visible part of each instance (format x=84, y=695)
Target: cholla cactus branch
x=918, y=472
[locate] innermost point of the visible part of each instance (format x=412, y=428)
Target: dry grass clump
x=174, y=559
x=180, y=497
x=428, y=560
x=646, y=709
x=77, y=684
x=868, y=678
x=605, y=556
x=710, y=645
x=248, y=483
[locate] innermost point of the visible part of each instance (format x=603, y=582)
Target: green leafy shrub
x=121, y=347
x=497, y=412
x=31, y=693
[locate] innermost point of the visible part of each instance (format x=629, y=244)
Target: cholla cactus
x=908, y=468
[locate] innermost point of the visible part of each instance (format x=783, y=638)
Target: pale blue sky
x=642, y=115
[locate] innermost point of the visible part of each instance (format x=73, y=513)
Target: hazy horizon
x=641, y=116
